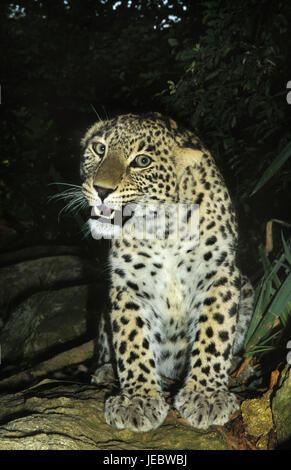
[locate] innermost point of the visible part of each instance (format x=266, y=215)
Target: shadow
x=286, y=445
x=98, y=301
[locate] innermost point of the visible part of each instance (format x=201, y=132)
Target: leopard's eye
x=99, y=148
x=141, y=161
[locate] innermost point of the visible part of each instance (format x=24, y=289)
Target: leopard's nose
x=103, y=192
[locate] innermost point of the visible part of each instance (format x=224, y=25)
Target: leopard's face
x=129, y=160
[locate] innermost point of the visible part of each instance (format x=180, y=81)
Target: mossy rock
x=257, y=416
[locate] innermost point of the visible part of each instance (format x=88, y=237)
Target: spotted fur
x=179, y=308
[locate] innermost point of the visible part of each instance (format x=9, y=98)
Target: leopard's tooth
x=95, y=211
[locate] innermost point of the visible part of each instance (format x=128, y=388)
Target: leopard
x=180, y=306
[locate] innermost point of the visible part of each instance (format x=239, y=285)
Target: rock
x=53, y=303
x=49, y=320
x=257, y=415
x=281, y=408
x=39, y=251
x=19, y=280
x=57, y=416
x=55, y=365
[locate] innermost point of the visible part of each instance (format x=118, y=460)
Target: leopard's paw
x=138, y=413
x=202, y=409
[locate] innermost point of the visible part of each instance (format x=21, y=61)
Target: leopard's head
x=131, y=161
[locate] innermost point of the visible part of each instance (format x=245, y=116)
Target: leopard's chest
x=165, y=279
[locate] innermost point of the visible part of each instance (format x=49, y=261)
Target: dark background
x=220, y=67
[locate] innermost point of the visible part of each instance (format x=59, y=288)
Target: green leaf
x=274, y=167
x=271, y=271
x=263, y=321
x=173, y=42
x=258, y=314
x=287, y=251
x=282, y=297
x=212, y=75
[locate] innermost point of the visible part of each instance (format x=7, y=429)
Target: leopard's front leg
x=140, y=405
x=204, y=399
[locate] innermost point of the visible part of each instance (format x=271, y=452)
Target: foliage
x=274, y=167
x=273, y=292
x=272, y=302
x=234, y=87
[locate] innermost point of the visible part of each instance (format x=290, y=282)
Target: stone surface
x=47, y=304
x=19, y=280
x=47, y=320
x=37, y=251
x=57, y=366
x=57, y=416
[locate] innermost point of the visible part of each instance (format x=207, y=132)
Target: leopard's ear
x=187, y=157
x=85, y=139
x=83, y=143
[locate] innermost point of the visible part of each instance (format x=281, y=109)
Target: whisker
x=85, y=230
x=74, y=198
x=65, y=184
x=105, y=112
x=98, y=116
x=65, y=196
x=73, y=207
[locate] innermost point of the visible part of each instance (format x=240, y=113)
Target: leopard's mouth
x=107, y=215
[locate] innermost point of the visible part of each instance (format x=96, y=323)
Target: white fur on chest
x=167, y=279
x=167, y=292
